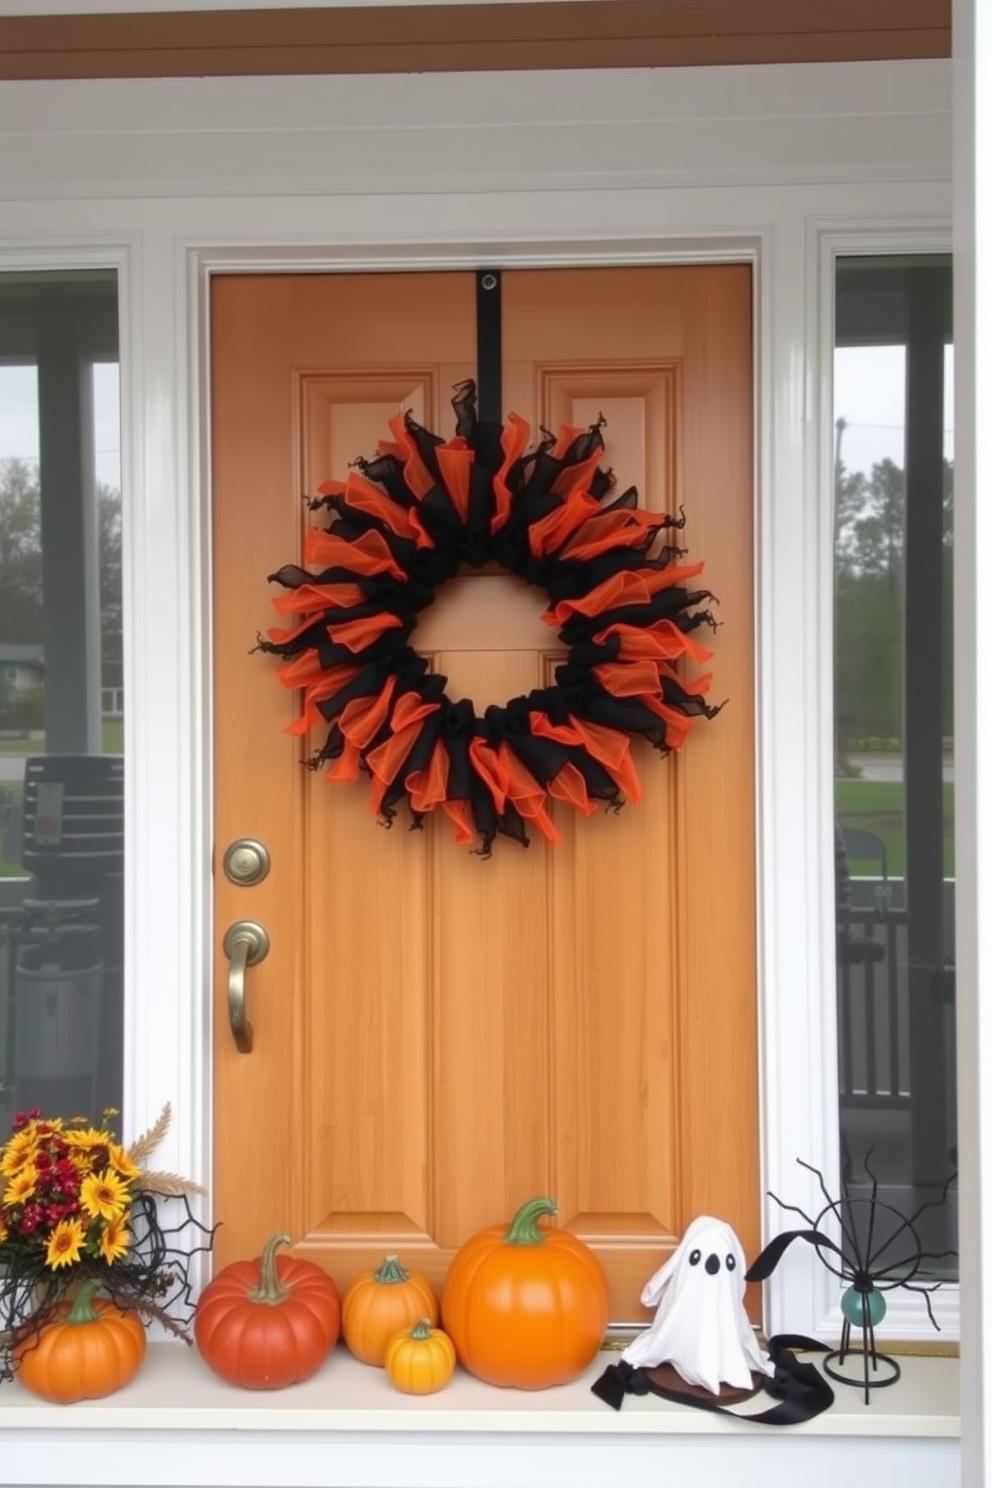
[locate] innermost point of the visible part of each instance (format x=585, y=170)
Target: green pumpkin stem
x=82, y=1309
x=270, y=1291
x=391, y=1271
x=421, y=1330
x=524, y=1230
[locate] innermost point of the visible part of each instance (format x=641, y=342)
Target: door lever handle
x=245, y=944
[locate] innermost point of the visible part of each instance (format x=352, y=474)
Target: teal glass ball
x=862, y=1309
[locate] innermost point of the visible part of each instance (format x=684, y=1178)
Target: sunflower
x=115, y=1240
x=65, y=1243
x=104, y=1195
x=17, y=1152
x=22, y=1185
x=87, y=1136
x=122, y=1163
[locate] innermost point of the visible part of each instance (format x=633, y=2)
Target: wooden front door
x=437, y=1037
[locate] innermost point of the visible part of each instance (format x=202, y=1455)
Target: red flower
x=30, y=1219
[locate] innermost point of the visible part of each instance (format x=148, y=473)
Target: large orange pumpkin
x=379, y=1304
x=526, y=1307
x=90, y=1349
x=268, y=1323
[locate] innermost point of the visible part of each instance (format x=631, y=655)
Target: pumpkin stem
x=391, y=1271
x=269, y=1290
x=524, y=1230
x=82, y=1309
x=421, y=1330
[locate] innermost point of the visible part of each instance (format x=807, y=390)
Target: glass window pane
x=61, y=735
x=893, y=745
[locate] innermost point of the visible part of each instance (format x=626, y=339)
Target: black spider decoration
x=869, y=1265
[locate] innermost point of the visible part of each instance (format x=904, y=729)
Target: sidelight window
x=61, y=728
x=894, y=746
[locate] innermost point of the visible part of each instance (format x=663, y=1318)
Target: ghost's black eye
x=695, y=1257
x=731, y=1263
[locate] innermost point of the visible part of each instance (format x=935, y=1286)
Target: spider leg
x=881, y=1272
x=810, y=1169
x=934, y=1203
x=836, y=1208
x=924, y=1292
x=909, y=1223
x=873, y=1202
x=793, y=1209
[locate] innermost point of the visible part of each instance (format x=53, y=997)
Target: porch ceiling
x=469, y=37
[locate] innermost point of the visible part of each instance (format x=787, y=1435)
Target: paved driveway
x=889, y=767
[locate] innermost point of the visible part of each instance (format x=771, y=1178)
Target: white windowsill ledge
x=176, y=1422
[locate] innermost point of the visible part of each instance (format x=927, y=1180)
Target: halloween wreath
x=404, y=523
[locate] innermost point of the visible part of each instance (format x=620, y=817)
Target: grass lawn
x=877, y=806
x=9, y=795
x=112, y=741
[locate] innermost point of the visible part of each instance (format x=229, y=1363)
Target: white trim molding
x=972, y=20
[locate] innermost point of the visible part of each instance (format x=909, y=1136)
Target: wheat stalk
x=166, y=1185
x=146, y=1144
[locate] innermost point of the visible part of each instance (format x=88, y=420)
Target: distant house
x=22, y=671
x=21, y=667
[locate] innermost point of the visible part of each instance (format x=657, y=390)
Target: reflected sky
x=870, y=396
x=19, y=417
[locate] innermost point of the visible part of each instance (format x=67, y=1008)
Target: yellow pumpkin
x=420, y=1360
x=379, y=1304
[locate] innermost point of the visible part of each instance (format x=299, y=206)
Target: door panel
x=437, y=1037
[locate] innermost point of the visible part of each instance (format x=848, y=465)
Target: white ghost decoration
x=700, y=1327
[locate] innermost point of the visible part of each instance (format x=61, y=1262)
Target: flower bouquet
x=79, y=1213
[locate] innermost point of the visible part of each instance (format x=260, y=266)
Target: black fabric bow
x=799, y=1388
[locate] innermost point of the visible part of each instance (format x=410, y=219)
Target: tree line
x=870, y=599
x=21, y=592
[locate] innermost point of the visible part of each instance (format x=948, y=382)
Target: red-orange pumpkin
x=89, y=1350
x=524, y=1307
x=268, y=1323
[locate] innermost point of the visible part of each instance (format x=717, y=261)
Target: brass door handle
x=245, y=944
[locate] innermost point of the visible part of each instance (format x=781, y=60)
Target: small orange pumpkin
x=379, y=1304
x=524, y=1307
x=268, y=1323
x=89, y=1350
x=420, y=1360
